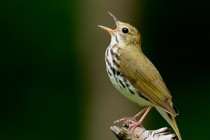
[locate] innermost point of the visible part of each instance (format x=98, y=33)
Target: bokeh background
x=53, y=80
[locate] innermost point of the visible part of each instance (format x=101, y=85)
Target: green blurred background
x=53, y=80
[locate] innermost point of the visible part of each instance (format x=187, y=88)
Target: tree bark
x=140, y=133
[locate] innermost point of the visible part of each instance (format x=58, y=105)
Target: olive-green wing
x=143, y=75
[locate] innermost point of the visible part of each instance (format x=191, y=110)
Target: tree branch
x=141, y=133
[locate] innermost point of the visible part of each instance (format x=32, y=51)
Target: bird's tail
x=171, y=120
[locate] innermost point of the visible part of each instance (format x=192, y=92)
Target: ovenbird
x=134, y=75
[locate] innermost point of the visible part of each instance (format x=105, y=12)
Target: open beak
x=108, y=29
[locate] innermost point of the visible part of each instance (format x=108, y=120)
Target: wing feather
x=146, y=78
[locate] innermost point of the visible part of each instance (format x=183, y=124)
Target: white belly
x=133, y=96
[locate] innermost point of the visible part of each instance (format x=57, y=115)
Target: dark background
x=50, y=49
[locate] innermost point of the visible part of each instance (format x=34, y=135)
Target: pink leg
x=142, y=119
x=132, y=118
x=138, y=114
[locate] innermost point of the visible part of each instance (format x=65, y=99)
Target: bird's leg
x=132, y=118
x=139, y=123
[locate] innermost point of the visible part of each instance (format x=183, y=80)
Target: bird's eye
x=125, y=30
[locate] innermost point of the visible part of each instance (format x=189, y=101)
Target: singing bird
x=134, y=75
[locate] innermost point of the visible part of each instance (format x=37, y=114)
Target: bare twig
x=141, y=133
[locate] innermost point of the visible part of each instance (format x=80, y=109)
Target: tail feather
x=171, y=120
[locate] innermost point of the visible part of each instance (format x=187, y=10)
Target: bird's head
x=124, y=34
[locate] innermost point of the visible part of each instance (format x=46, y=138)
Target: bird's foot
x=139, y=123
x=130, y=119
x=134, y=125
